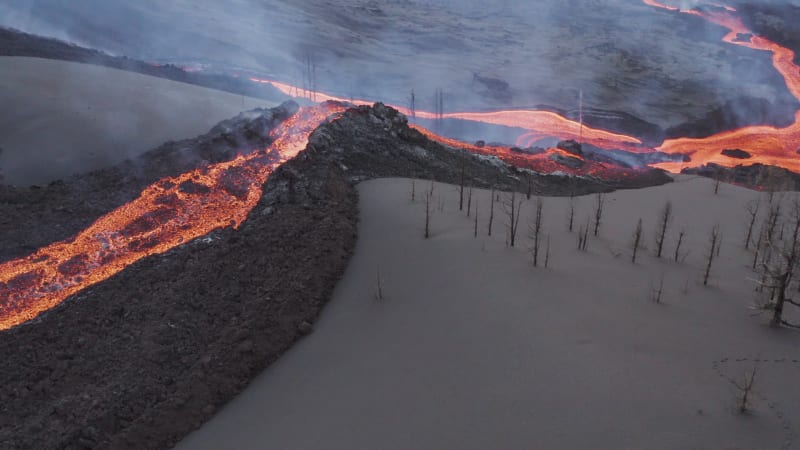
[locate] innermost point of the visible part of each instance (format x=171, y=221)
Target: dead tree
x=413, y=191
x=637, y=237
x=491, y=212
x=469, y=201
x=475, y=232
x=656, y=291
x=535, y=231
x=428, y=196
x=745, y=388
x=547, y=253
x=512, y=208
x=778, y=273
x=461, y=190
x=663, y=222
x=681, y=234
x=752, y=210
x=712, y=251
x=583, y=236
x=530, y=186
x=773, y=217
x=758, y=247
x=571, y=220
x=598, y=212
x=716, y=185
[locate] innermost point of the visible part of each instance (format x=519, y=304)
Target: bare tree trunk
x=475, y=232
x=598, y=212
x=571, y=212
x=716, y=186
x=663, y=223
x=461, y=191
x=758, y=248
x=678, y=247
x=427, y=214
x=713, y=238
x=547, y=254
x=637, y=237
x=528, y=194
x=469, y=201
x=583, y=236
x=413, y=191
x=491, y=213
x=535, y=231
x=512, y=208
x=752, y=209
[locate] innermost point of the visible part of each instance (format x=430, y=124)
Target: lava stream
x=766, y=144
x=168, y=213
x=537, y=124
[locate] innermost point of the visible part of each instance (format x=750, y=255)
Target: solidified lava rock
x=568, y=161
x=571, y=146
x=757, y=175
x=736, y=153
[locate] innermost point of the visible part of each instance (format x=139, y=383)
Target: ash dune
x=474, y=348
x=69, y=117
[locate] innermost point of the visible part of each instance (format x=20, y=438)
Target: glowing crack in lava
x=768, y=144
x=168, y=213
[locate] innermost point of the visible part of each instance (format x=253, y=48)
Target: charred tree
x=752, y=210
x=663, y=222
x=535, y=231
x=461, y=190
x=598, y=212
x=637, y=237
x=571, y=217
x=713, y=239
x=428, y=196
x=475, y=231
x=491, y=212
x=469, y=201
x=530, y=186
x=681, y=234
x=512, y=208
x=547, y=253
x=779, y=272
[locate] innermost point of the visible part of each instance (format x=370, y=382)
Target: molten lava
x=168, y=213
x=768, y=145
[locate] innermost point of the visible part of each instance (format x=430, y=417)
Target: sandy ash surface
x=475, y=348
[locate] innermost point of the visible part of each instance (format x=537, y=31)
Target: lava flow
x=537, y=124
x=168, y=213
x=767, y=144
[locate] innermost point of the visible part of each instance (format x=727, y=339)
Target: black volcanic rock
x=757, y=175
x=571, y=146
x=736, y=153
x=568, y=161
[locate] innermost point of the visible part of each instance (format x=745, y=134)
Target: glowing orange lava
x=168, y=213
x=766, y=144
